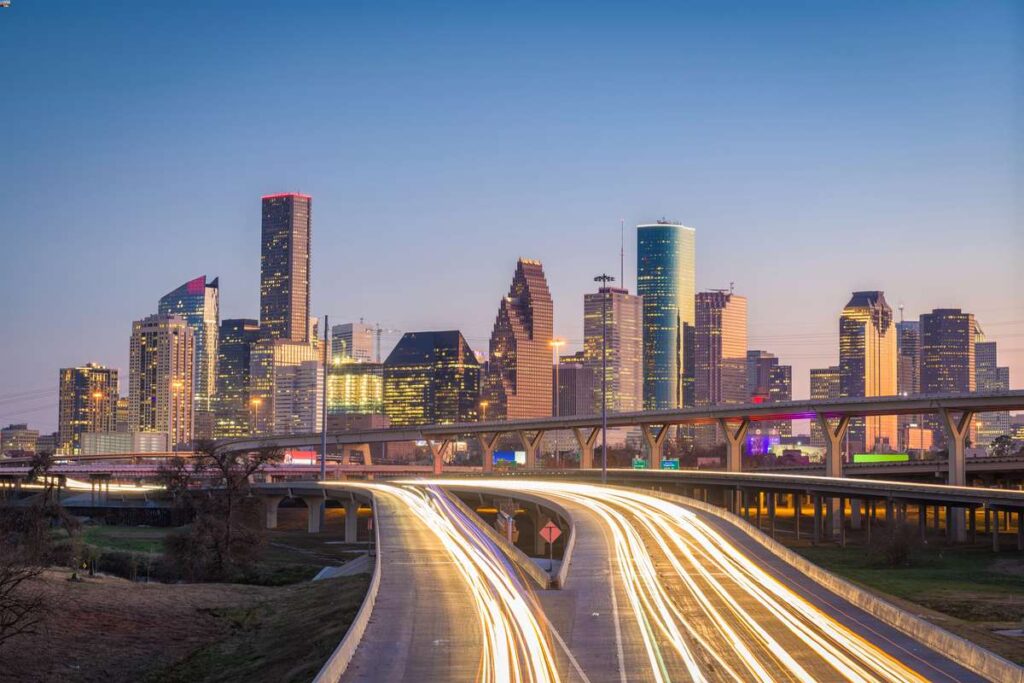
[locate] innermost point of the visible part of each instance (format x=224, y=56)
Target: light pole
x=323, y=414
x=483, y=410
x=604, y=279
x=255, y=402
x=556, y=345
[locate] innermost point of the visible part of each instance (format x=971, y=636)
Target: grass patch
x=135, y=539
x=283, y=638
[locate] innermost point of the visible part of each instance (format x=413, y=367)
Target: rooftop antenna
x=622, y=252
x=901, y=311
x=732, y=287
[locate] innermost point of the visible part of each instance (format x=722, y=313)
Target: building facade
x=908, y=375
x=233, y=413
x=354, y=341
x=432, y=377
x=197, y=302
x=989, y=376
x=769, y=382
x=825, y=386
x=87, y=403
x=867, y=367
x=947, y=360
x=18, y=438
x=355, y=388
x=720, y=355
x=666, y=279
x=284, y=267
x=160, y=380
x=623, y=317
x=518, y=379
x=285, y=386
x=578, y=386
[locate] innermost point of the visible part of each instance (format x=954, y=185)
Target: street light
x=483, y=410
x=255, y=403
x=604, y=279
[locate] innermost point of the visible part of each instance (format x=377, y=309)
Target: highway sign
x=670, y=464
x=639, y=464
x=550, y=532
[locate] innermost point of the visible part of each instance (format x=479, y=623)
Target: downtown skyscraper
x=161, y=392
x=666, y=279
x=197, y=302
x=623, y=319
x=433, y=378
x=87, y=404
x=769, y=382
x=284, y=267
x=948, y=337
x=518, y=380
x=867, y=366
x=990, y=376
x=720, y=354
x=234, y=411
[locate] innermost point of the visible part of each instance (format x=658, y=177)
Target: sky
x=817, y=147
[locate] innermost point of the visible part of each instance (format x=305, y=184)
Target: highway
x=450, y=606
x=659, y=591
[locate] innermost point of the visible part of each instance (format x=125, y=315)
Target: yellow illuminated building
x=867, y=367
x=355, y=388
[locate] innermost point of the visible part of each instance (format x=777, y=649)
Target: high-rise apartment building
x=578, y=385
x=197, y=302
x=947, y=359
x=285, y=386
x=355, y=341
x=18, y=439
x=769, y=382
x=161, y=377
x=433, y=377
x=518, y=379
x=87, y=403
x=233, y=412
x=284, y=267
x=867, y=367
x=666, y=279
x=825, y=386
x=989, y=376
x=623, y=318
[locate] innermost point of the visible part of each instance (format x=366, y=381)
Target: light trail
x=705, y=609
x=515, y=646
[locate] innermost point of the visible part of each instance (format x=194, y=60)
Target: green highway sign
x=639, y=464
x=670, y=464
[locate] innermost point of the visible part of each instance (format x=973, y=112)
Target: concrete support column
x=817, y=519
x=487, y=445
x=314, y=507
x=351, y=521
x=438, y=449
x=995, y=532
x=796, y=513
x=734, y=437
x=271, y=503
x=855, y=506
x=957, y=429
x=834, y=436
x=531, y=445
x=1020, y=530
x=771, y=514
x=922, y=520
x=586, y=443
x=655, y=440
x=363, y=449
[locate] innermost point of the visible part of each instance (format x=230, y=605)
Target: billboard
x=880, y=457
x=506, y=458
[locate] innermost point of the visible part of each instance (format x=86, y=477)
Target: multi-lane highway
x=657, y=590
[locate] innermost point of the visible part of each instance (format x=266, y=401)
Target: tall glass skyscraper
x=284, y=267
x=233, y=411
x=867, y=366
x=432, y=377
x=88, y=403
x=948, y=337
x=666, y=279
x=988, y=376
x=623, y=319
x=197, y=302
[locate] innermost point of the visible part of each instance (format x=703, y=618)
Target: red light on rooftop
x=758, y=399
x=286, y=194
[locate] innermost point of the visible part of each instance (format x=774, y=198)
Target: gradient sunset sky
x=817, y=147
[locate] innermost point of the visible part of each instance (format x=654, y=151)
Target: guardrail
x=339, y=660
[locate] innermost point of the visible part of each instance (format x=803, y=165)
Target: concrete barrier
x=339, y=660
x=974, y=657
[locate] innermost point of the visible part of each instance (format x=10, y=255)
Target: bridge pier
x=314, y=508
x=655, y=441
x=855, y=513
x=351, y=520
x=438, y=450
x=487, y=445
x=833, y=452
x=531, y=445
x=586, y=444
x=957, y=429
x=271, y=503
x=734, y=438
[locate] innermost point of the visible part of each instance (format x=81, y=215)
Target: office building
x=947, y=360
x=720, y=355
x=623, y=318
x=908, y=375
x=518, y=379
x=769, y=382
x=87, y=403
x=354, y=388
x=98, y=443
x=355, y=341
x=285, y=386
x=867, y=367
x=989, y=376
x=18, y=439
x=666, y=280
x=824, y=387
x=160, y=379
x=233, y=412
x=284, y=267
x=578, y=385
x=197, y=302
x=432, y=377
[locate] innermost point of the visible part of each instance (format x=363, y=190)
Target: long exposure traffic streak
x=515, y=646
x=704, y=609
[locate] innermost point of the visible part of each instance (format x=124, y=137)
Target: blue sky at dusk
x=817, y=148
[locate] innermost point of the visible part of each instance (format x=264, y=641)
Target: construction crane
x=378, y=330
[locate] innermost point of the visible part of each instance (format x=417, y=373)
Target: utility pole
x=323, y=408
x=604, y=279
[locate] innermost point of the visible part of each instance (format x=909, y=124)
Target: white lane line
x=618, y=626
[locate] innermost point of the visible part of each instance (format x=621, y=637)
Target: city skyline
x=915, y=192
